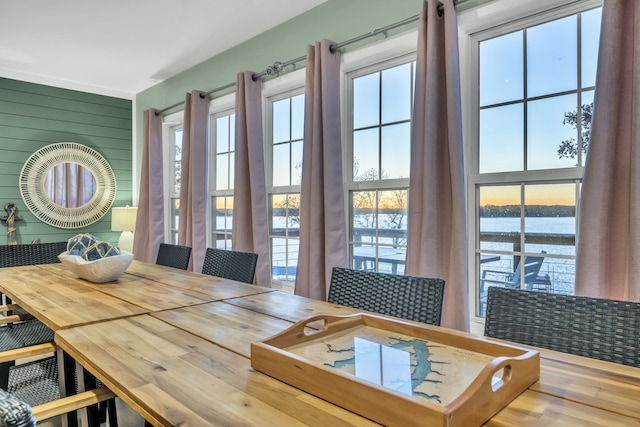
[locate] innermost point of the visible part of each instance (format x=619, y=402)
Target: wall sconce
x=124, y=219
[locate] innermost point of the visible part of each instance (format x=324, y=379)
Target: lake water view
x=559, y=262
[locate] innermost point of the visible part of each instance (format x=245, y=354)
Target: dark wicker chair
x=31, y=254
x=35, y=382
x=234, y=265
x=30, y=332
x=593, y=327
x=20, y=335
x=408, y=297
x=175, y=256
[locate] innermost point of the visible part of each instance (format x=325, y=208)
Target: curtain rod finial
x=275, y=68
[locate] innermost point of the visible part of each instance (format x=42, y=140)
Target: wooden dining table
x=186, y=362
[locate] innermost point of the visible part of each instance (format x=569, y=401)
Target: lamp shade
x=123, y=219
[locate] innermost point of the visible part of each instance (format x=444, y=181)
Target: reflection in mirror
x=69, y=185
x=97, y=192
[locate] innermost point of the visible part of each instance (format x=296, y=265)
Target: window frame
x=218, y=107
x=374, y=57
x=499, y=18
x=170, y=123
x=282, y=87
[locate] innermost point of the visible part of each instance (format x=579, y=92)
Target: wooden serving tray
x=398, y=373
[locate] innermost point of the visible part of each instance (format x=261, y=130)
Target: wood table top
x=603, y=385
x=150, y=295
x=215, y=288
x=543, y=410
x=289, y=307
x=598, y=385
x=190, y=364
x=197, y=285
x=175, y=378
x=61, y=302
x=227, y=325
x=60, y=299
x=172, y=376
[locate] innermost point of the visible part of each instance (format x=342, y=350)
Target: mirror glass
x=67, y=185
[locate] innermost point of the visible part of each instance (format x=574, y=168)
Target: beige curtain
x=150, y=217
x=69, y=185
x=250, y=231
x=192, y=213
x=322, y=213
x=608, y=252
x=437, y=245
x=83, y=186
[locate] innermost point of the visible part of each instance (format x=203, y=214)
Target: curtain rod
x=278, y=66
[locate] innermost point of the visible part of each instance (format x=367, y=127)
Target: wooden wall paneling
x=33, y=116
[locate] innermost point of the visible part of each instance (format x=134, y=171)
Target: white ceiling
x=121, y=47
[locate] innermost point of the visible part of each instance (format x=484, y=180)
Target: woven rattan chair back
x=234, y=265
x=593, y=327
x=31, y=254
x=408, y=297
x=175, y=256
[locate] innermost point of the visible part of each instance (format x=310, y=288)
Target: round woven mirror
x=35, y=187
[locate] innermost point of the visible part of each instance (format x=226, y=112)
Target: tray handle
x=328, y=323
x=315, y=327
x=499, y=382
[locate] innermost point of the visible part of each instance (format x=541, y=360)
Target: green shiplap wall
x=33, y=116
x=336, y=20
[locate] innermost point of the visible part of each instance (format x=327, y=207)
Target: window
x=172, y=155
x=176, y=158
x=222, y=137
x=285, y=133
x=379, y=128
x=534, y=104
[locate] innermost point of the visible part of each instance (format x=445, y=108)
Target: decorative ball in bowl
x=94, y=260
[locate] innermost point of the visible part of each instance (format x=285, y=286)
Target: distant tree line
x=513, y=211
x=505, y=211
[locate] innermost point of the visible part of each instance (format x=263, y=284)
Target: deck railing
x=390, y=256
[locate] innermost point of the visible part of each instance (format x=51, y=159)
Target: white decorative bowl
x=99, y=271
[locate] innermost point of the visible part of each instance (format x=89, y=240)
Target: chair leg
x=68, y=367
x=4, y=374
x=102, y=410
